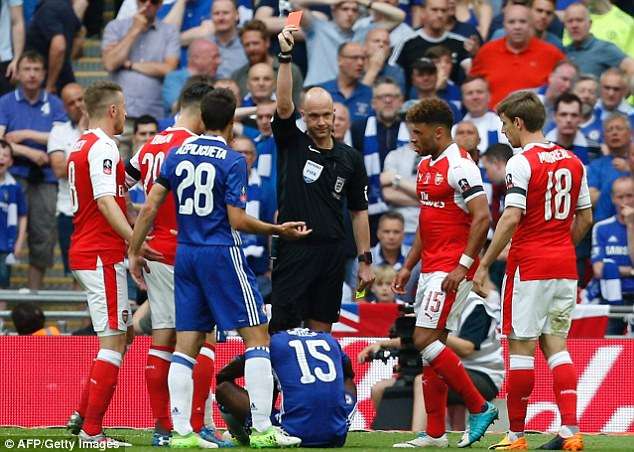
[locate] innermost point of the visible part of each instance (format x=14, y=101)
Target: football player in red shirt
x=547, y=212
x=96, y=179
x=452, y=228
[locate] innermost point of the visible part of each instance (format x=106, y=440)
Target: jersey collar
x=215, y=138
x=542, y=145
x=453, y=147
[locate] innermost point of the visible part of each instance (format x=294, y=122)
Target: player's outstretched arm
x=504, y=230
x=291, y=230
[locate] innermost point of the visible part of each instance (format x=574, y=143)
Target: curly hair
x=431, y=111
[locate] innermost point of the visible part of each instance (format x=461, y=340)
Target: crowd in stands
x=376, y=58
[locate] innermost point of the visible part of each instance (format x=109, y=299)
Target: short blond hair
x=384, y=274
x=99, y=96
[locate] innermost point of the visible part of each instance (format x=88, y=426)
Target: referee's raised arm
x=284, y=92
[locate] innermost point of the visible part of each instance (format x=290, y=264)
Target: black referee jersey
x=313, y=182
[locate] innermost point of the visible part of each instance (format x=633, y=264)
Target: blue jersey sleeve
x=236, y=192
x=165, y=177
x=597, y=244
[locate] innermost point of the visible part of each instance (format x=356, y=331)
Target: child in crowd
x=13, y=214
x=381, y=290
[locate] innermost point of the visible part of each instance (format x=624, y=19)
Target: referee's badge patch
x=339, y=184
x=312, y=171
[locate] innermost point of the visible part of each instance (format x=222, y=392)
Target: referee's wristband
x=466, y=261
x=284, y=57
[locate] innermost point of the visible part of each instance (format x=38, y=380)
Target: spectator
x=613, y=89
x=61, y=141
x=467, y=138
x=377, y=49
x=431, y=34
x=466, y=29
x=255, y=41
x=139, y=52
x=260, y=85
x=169, y=120
x=13, y=216
x=203, y=58
x=611, y=24
x=425, y=83
x=611, y=263
x=53, y=33
x=603, y=171
x=341, y=127
x=446, y=89
x=398, y=181
x=560, y=81
x=11, y=42
x=261, y=204
x=543, y=14
x=224, y=15
x=375, y=136
x=347, y=88
x=517, y=61
x=26, y=117
x=266, y=150
x=387, y=16
x=381, y=290
x=568, y=108
x=591, y=54
x=143, y=128
x=28, y=319
x=476, y=98
x=476, y=13
x=587, y=89
x=325, y=37
x=184, y=15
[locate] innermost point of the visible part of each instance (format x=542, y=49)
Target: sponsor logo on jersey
x=425, y=201
x=107, y=166
x=438, y=179
x=311, y=171
x=339, y=184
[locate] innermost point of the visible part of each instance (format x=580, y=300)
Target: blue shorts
x=213, y=285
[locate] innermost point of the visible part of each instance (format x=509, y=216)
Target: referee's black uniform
x=308, y=274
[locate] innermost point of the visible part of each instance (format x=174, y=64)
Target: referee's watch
x=365, y=257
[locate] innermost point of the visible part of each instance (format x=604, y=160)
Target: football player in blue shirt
x=317, y=385
x=213, y=283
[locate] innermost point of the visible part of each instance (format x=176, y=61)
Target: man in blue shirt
x=213, y=283
x=26, y=117
x=603, y=171
x=347, y=87
x=611, y=262
x=317, y=384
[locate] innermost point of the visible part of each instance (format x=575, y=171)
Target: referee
x=316, y=176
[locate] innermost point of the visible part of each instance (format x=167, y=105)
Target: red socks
x=520, y=382
x=156, y=370
x=435, y=393
x=85, y=390
x=202, y=375
x=564, y=387
x=447, y=365
x=103, y=380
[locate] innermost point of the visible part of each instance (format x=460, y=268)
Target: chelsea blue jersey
x=205, y=176
x=309, y=366
x=609, y=241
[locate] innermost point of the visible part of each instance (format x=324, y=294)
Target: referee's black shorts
x=307, y=283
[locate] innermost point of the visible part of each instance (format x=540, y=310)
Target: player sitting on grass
x=316, y=381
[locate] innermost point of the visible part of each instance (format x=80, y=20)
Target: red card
x=294, y=18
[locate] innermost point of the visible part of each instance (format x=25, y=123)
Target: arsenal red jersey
x=444, y=187
x=95, y=170
x=145, y=166
x=549, y=184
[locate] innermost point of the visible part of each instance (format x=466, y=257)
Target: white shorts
x=107, y=294
x=536, y=307
x=160, y=292
x=436, y=309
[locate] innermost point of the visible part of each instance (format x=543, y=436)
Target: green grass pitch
x=357, y=441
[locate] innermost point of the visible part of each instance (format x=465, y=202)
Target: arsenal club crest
x=438, y=179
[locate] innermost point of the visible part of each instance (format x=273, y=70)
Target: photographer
x=479, y=351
